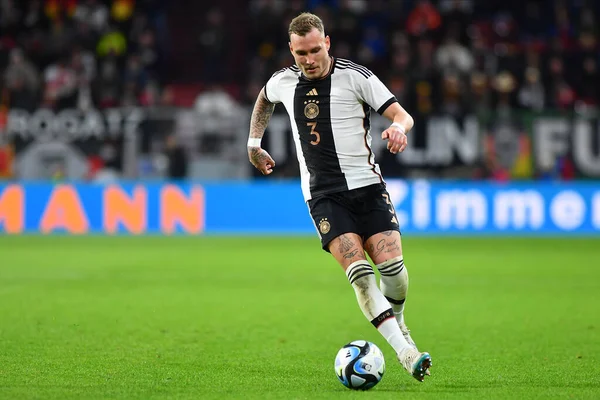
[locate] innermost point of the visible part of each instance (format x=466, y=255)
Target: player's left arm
x=402, y=122
x=375, y=93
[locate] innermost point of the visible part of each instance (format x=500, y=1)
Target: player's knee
x=347, y=249
x=358, y=270
x=394, y=267
x=394, y=280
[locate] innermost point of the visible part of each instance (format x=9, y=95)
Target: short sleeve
x=374, y=92
x=271, y=88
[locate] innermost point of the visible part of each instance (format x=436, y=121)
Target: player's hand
x=261, y=160
x=397, y=140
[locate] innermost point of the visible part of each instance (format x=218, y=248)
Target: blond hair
x=304, y=23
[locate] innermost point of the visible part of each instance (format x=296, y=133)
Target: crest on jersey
x=324, y=226
x=311, y=109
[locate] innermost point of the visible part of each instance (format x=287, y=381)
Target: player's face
x=311, y=53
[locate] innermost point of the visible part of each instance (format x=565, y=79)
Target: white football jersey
x=330, y=119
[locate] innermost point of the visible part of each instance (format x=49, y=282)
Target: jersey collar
x=327, y=75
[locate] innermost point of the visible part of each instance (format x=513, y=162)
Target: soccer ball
x=359, y=365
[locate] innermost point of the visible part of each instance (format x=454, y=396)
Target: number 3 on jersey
x=313, y=125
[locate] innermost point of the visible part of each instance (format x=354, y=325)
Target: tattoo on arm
x=388, y=233
x=257, y=156
x=261, y=115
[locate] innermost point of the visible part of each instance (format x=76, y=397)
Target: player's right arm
x=261, y=115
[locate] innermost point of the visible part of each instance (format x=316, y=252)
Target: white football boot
x=416, y=363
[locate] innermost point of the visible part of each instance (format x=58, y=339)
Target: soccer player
x=329, y=101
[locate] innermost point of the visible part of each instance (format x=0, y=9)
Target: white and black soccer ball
x=359, y=365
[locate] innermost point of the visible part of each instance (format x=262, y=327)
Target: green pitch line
x=217, y=317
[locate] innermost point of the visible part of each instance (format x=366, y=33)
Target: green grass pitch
x=262, y=318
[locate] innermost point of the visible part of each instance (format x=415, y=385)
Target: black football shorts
x=364, y=211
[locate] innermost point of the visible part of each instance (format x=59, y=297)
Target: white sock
x=374, y=305
x=394, y=284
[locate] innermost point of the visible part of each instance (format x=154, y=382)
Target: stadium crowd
x=454, y=57
x=451, y=56
x=501, y=60
x=80, y=54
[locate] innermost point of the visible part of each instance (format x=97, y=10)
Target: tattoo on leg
x=380, y=248
x=353, y=254
x=345, y=244
x=388, y=233
x=392, y=246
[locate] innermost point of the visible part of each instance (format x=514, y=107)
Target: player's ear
x=327, y=42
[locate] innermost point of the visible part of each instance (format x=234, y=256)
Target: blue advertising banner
x=277, y=207
x=497, y=208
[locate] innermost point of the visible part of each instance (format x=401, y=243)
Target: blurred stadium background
x=111, y=91
x=130, y=117
x=99, y=90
